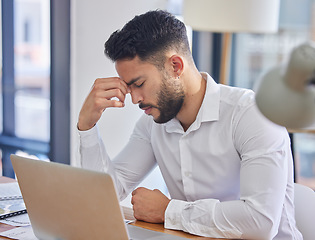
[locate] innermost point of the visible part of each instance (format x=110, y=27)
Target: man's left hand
x=149, y=205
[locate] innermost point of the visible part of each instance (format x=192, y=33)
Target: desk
x=128, y=213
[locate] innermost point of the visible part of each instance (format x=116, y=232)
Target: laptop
x=65, y=202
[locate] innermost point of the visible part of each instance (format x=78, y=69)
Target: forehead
x=129, y=69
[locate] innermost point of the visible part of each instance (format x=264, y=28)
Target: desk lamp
x=231, y=16
x=286, y=94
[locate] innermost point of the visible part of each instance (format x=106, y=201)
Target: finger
x=100, y=91
x=111, y=83
x=99, y=104
x=114, y=93
x=103, y=96
x=142, y=189
x=157, y=190
x=110, y=98
x=114, y=103
x=134, y=192
x=135, y=214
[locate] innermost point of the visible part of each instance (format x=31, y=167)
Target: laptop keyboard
x=138, y=233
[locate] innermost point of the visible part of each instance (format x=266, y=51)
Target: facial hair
x=170, y=99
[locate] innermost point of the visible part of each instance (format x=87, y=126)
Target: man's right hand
x=100, y=98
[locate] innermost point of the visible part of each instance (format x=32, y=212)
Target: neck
x=195, y=87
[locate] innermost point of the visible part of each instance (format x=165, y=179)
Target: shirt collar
x=209, y=110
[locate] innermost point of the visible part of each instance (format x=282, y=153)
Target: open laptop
x=65, y=202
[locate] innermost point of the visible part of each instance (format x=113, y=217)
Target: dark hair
x=148, y=36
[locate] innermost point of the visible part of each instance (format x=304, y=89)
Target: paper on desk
x=25, y=233
x=9, y=190
x=18, y=221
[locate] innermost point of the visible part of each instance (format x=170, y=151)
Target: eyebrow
x=133, y=81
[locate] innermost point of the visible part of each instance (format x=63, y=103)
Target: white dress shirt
x=230, y=175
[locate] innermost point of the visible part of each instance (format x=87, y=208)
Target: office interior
x=52, y=51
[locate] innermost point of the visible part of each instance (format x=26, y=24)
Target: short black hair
x=148, y=36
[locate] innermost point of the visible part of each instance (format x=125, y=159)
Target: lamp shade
x=255, y=16
x=286, y=94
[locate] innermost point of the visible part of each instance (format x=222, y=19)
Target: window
x=254, y=54
x=35, y=80
x=32, y=69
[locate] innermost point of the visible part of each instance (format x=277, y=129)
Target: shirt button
x=188, y=174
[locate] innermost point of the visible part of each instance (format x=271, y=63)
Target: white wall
x=92, y=22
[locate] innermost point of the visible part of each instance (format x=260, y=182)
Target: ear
x=177, y=65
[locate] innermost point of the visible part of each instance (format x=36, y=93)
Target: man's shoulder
x=241, y=97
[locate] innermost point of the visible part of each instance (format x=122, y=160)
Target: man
x=228, y=169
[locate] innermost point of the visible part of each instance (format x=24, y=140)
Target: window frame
x=58, y=148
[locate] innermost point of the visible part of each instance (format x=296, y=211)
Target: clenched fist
x=149, y=205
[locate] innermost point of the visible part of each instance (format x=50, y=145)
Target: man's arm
x=255, y=216
x=129, y=167
x=266, y=174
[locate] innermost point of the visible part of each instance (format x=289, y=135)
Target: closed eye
x=140, y=85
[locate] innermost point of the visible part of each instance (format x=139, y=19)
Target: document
x=11, y=201
x=25, y=233
x=19, y=221
x=10, y=190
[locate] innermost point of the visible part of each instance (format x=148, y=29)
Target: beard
x=170, y=99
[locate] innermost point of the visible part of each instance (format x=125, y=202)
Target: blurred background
x=52, y=51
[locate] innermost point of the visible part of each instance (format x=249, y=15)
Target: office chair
x=304, y=201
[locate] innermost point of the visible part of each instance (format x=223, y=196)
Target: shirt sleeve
x=129, y=167
x=265, y=156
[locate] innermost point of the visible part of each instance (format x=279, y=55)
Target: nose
x=136, y=96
